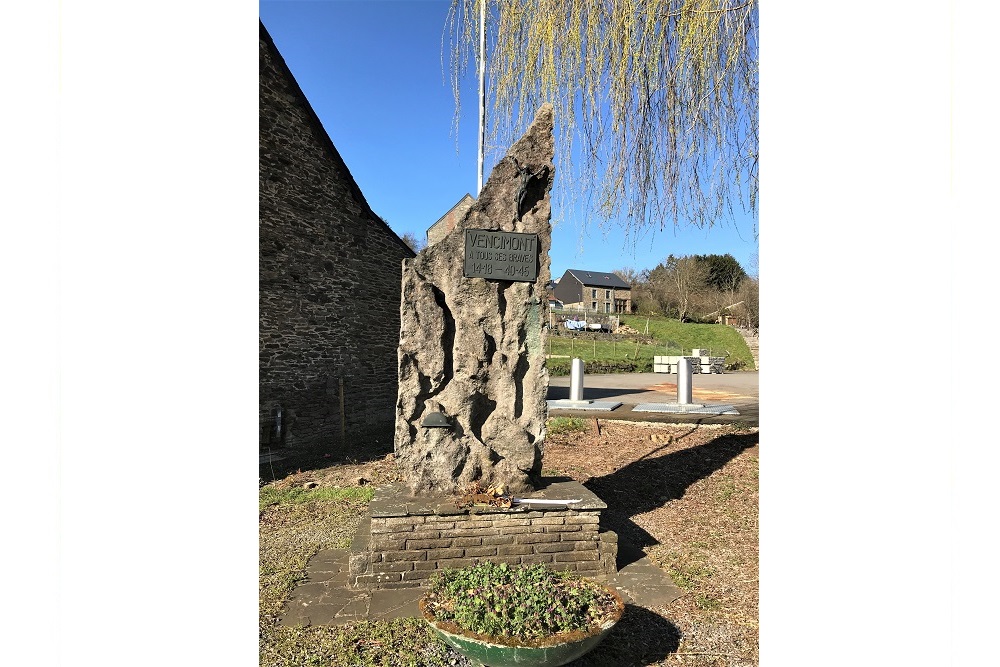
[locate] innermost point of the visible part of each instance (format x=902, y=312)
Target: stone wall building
x=593, y=290
x=329, y=281
x=447, y=222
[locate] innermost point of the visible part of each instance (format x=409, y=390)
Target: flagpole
x=482, y=91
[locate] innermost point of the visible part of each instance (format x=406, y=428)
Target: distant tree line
x=696, y=288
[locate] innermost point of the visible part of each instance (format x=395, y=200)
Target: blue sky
x=373, y=72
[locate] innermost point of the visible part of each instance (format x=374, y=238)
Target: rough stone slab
x=386, y=505
x=687, y=408
x=396, y=500
x=473, y=348
x=566, y=404
x=330, y=561
x=395, y=603
x=642, y=582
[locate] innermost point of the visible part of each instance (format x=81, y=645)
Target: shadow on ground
x=304, y=459
x=592, y=393
x=640, y=638
x=652, y=481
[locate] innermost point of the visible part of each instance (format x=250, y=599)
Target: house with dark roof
x=328, y=359
x=594, y=291
x=447, y=222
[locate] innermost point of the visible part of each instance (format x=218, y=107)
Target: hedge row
x=559, y=367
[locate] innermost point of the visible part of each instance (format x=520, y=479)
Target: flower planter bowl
x=548, y=652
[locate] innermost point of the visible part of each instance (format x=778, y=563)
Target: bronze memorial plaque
x=501, y=255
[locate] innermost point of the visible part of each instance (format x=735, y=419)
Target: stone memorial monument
x=472, y=346
x=472, y=387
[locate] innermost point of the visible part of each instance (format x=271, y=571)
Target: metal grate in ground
x=566, y=404
x=687, y=408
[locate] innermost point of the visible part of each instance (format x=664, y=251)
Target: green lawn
x=671, y=338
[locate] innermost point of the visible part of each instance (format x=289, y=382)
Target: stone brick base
x=407, y=538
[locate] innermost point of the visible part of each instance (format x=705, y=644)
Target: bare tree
x=750, y=295
x=628, y=274
x=410, y=239
x=688, y=278
x=753, y=266
x=643, y=299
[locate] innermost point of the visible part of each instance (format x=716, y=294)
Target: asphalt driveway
x=739, y=389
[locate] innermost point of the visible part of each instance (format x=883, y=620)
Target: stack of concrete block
x=699, y=363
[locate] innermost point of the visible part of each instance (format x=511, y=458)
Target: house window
x=607, y=294
x=593, y=306
x=593, y=294
x=607, y=307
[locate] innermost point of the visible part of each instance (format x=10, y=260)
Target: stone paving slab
x=398, y=603
x=396, y=500
x=324, y=598
x=642, y=582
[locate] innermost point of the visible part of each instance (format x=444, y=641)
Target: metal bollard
x=683, y=381
x=576, y=380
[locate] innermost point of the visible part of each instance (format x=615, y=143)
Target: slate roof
x=598, y=279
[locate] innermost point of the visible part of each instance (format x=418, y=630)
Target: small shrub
x=559, y=425
x=518, y=602
x=562, y=367
x=707, y=603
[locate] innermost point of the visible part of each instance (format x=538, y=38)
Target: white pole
x=684, y=372
x=576, y=380
x=482, y=91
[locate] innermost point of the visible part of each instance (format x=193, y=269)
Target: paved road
x=739, y=389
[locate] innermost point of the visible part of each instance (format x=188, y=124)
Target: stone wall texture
x=329, y=279
x=405, y=551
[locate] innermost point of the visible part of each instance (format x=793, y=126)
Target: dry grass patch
x=295, y=523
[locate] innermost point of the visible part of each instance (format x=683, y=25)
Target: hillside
x=604, y=353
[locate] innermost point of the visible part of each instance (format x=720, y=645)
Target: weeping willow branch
x=655, y=100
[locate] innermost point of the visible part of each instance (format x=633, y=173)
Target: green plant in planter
x=500, y=614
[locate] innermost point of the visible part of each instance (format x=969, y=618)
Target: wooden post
x=343, y=430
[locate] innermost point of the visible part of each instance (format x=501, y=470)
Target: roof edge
x=456, y=205
x=577, y=273
x=325, y=139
